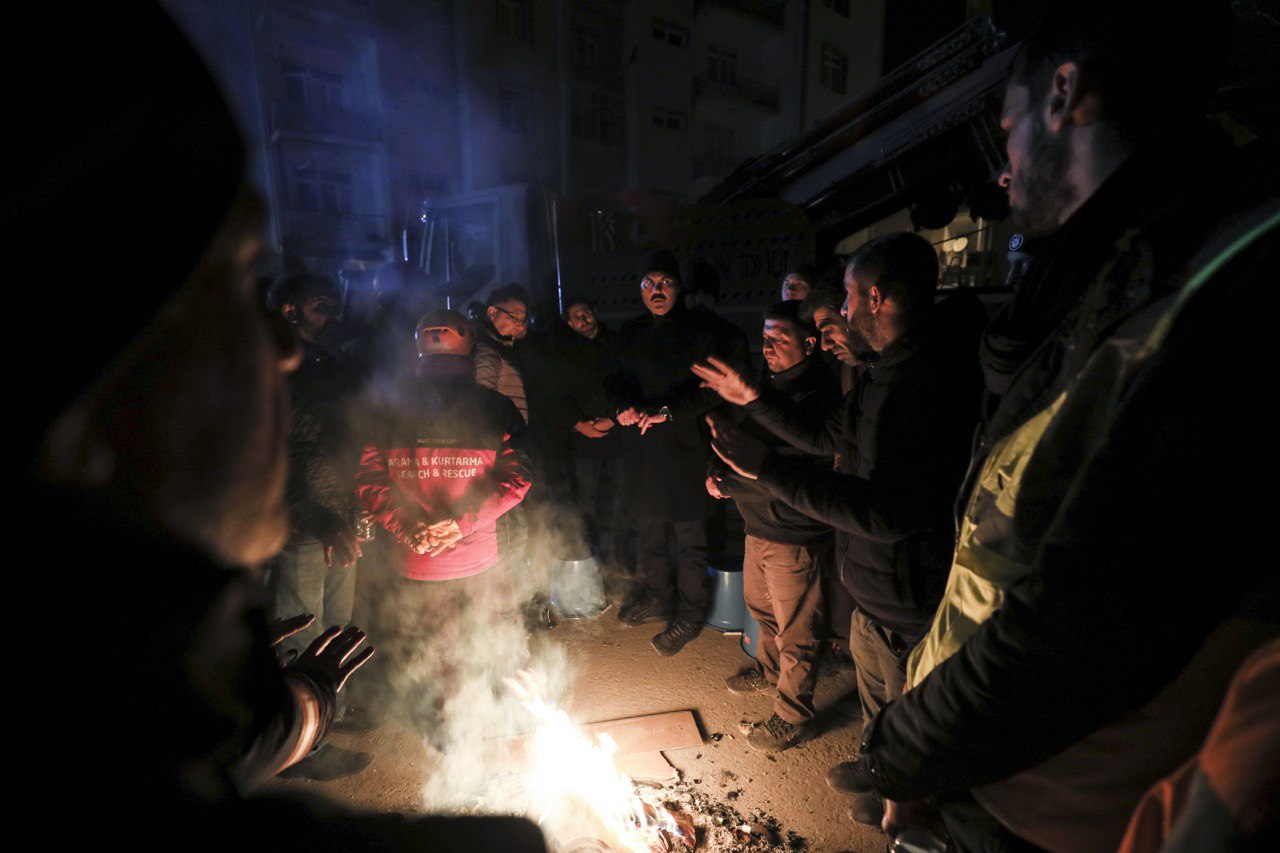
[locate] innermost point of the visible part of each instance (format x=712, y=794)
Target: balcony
x=770, y=12
x=320, y=234
x=740, y=89
x=288, y=118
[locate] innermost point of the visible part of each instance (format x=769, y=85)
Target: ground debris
x=722, y=828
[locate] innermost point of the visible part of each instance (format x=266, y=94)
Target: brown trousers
x=783, y=593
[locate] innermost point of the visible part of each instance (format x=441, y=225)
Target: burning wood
x=586, y=805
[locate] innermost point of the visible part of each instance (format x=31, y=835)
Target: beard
x=1044, y=192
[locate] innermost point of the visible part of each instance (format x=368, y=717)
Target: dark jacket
x=666, y=467
x=902, y=440
x=586, y=366
x=322, y=454
x=1128, y=539
x=497, y=368
x=810, y=387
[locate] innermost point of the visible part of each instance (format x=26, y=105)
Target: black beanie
x=130, y=161
x=663, y=261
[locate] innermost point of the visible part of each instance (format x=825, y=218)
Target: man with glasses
x=506, y=320
x=666, y=463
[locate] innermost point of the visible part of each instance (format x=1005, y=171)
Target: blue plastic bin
x=727, y=604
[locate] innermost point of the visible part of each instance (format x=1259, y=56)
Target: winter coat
x=587, y=365
x=322, y=456
x=665, y=469
x=809, y=386
x=497, y=369
x=1086, y=637
x=902, y=439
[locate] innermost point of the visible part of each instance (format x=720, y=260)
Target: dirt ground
x=615, y=674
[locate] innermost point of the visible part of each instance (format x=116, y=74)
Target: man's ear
x=1066, y=97
x=809, y=343
x=875, y=299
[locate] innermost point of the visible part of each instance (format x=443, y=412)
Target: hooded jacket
x=451, y=450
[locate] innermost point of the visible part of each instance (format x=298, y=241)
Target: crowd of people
x=1031, y=534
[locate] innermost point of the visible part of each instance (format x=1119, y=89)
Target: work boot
x=677, y=636
x=644, y=609
x=867, y=809
x=750, y=680
x=326, y=763
x=849, y=777
x=776, y=734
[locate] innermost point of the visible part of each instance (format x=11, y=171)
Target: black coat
x=903, y=441
x=666, y=468
x=810, y=387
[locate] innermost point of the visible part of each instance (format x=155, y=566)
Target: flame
x=575, y=791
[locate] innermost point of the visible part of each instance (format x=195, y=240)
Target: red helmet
x=444, y=333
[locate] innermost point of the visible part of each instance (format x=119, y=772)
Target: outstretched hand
x=286, y=626
x=741, y=452
x=332, y=658
x=726, y=381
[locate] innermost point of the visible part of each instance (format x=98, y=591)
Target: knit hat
x=126, y=175
x=662, y=261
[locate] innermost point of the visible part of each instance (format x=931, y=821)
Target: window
x=312, y=87
x=595, y=116
x=672, y=34
x=515, y=19
x=513, y=109
x=584, y=42
x=322, y=191
x=840, y=7
x=722, y=64
x=835, y=69
x=670, y=119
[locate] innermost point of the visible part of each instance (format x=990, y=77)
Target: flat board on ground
x=651, y=732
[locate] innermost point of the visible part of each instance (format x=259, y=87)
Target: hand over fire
x=434, y=539
x=739, y=451
x=332, y=657
x=720, y=377
x=287, y=626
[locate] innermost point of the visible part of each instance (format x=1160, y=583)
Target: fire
x=575, y=792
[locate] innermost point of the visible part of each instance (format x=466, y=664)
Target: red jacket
x=450, y=450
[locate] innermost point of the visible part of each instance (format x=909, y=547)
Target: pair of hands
x=433, y=539
x=744, y=454
x=596, y=428
x=340, y=543
x=631, y=416
x=331, y=658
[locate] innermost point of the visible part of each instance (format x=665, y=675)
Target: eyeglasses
x=666, y=282
x=523, y=321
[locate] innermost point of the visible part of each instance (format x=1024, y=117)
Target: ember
x=585, y=805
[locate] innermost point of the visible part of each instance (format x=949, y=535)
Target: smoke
x=446, y=650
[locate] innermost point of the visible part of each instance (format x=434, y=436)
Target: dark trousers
x=653, y=561
x=880, y=658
